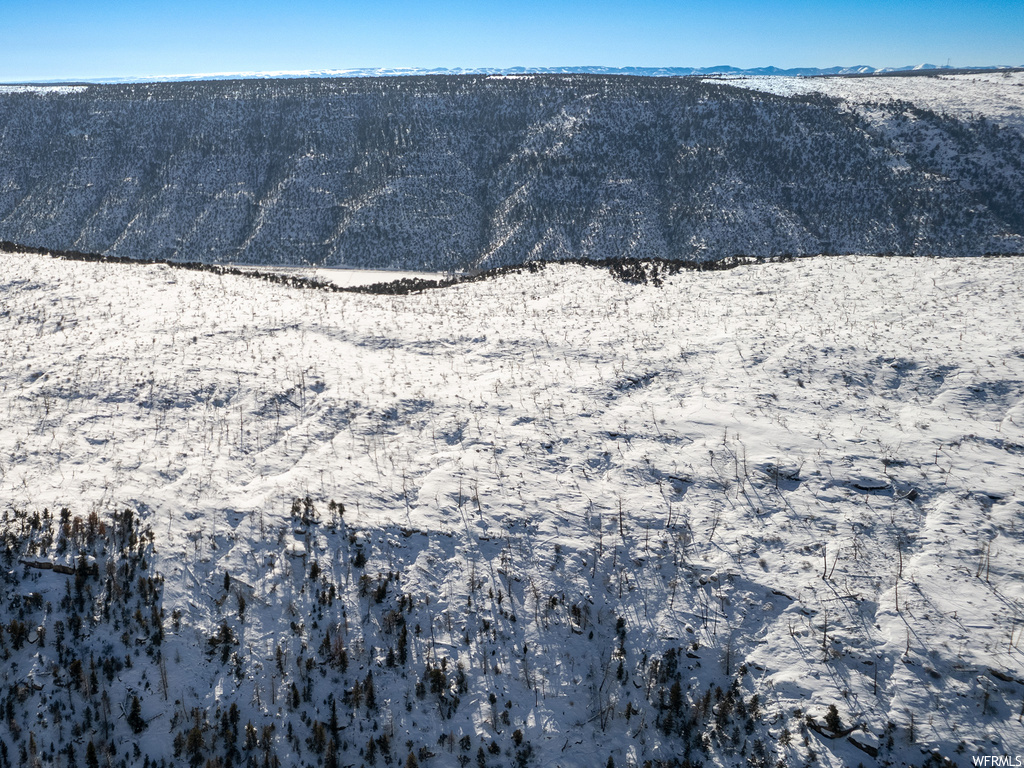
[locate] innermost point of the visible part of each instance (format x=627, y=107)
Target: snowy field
x=800, y=484
x=999, y=96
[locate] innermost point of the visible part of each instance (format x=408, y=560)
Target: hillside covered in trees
x=466, y=172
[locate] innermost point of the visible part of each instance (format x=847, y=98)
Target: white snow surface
x=810, y=469
x=999, y=96
x=42, y=88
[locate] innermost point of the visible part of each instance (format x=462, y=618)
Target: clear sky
x=69, y=39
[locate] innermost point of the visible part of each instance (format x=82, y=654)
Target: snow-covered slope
x=997, y=96
x=581, y=518
x=445, y=173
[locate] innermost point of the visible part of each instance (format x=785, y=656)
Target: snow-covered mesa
x=582, y=518
x=998, y=96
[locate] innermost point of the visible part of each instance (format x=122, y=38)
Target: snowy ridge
x=581, y=518
x=443, y=173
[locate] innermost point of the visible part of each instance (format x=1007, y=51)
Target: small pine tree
x=675, y=699
x=371, y=697
x=832, y=719
x=194, y=745
x=403, y=645
x=135, y=719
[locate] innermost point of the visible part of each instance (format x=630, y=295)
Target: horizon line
x=677, y=71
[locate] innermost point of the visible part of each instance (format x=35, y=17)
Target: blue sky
x=62, y=39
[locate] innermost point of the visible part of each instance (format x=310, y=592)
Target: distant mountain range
x=862, y=69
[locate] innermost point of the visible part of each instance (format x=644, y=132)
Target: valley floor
x=544, y=519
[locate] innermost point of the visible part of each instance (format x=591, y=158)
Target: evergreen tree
x=135, y=719
x=369, y=693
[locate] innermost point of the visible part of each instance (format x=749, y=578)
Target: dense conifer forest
x=448, y=173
